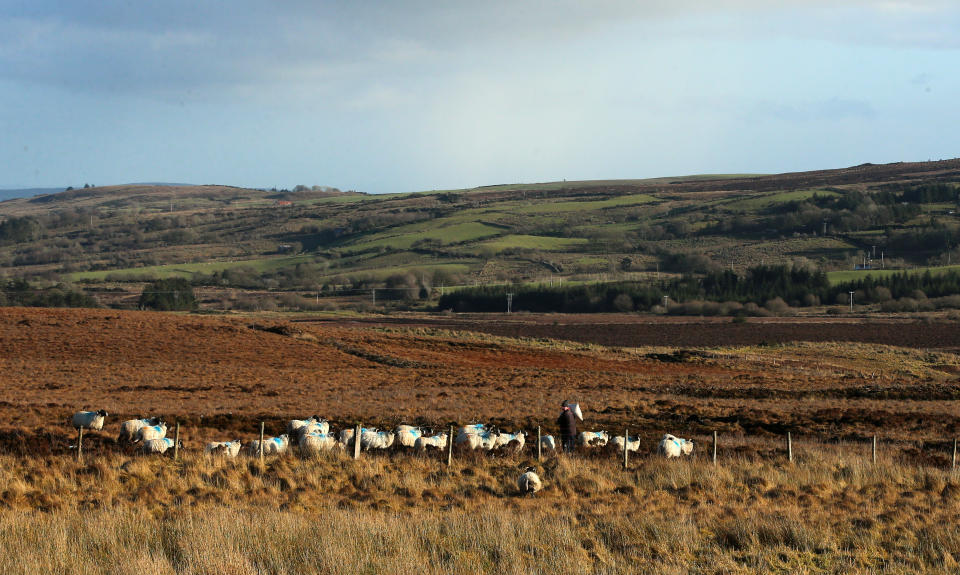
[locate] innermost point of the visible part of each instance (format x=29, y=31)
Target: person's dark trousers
x=569, y=442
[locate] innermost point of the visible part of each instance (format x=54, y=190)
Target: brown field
x=831, y=511
x=221, y=376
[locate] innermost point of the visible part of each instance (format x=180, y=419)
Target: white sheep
x=671, y=446
x=223, y=448
x=633, y=444
x=516, y=440
x=593, y=438
x=529, y=483
x=407, y=435
x=129, y=428
x=437, y=441
x=548, y=442
x=485, y=440
x=158, y=445
x=148, y=432
x=314, y=443
x=295, y=424
x=373, y=439
x=92, y=420
x=271, y=445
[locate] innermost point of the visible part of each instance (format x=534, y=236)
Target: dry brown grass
x=831, y=512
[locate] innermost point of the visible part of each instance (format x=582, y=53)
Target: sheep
x=271, y=445
x=297, y=428
x=373, y=439
x=671, y=446
x=548, y=442
x=160, y=445
x=593, y=438
x=437, y=441
x=518, y=439
x=223, y=448
x=529, y=483
x=485, y=440
x=314, y=443
x=92, y=420
x=346, y=436
x=633, y=444
x=407, y=435
x=129, y=428
x=148, y=432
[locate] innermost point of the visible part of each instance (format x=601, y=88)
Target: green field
x=764, y=200
x=533, y=243
x=585, y=206
x=190, y=269
x=406, y=236
x=853, y=275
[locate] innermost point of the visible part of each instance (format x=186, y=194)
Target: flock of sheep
x=313, y=435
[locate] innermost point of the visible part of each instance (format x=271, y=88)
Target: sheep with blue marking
x=228, y=449
x=407, y=435
x=671, y=446
x=92, y=420
x=297, y=428
x=148, y=432
x=432, y=442
x=129, y=428
x=271, y=445
x=477, y=437
x=314, y=443
x=158, y=445
x=633, y=444
x=593, y=438
x=374, y=439
x=516, y=441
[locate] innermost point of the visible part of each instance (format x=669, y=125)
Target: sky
x=400, y=96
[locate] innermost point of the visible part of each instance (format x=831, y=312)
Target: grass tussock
x=830, y=513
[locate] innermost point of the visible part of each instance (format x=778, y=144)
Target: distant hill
x=409, y=245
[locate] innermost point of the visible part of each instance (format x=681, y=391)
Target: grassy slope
x=467, y=230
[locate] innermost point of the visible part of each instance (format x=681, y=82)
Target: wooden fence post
x=356, y=441
x=714, y=447
x=450, y=448
x=539, y=446
x=176, y=443
x=789, y=448
x=261, y=444
x=626, y=443
x=874, y=450
x=80, y=445
x=953, y=465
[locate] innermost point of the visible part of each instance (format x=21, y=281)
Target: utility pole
x=509, y=302
x=851, y=301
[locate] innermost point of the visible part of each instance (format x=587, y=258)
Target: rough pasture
x=221, y=376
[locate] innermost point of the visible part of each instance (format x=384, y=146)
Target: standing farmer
x=568, y=427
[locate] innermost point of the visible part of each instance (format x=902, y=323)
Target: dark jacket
x=568, y=423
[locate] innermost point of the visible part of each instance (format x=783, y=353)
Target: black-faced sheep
x=529, y=483
x=92, y=420
x=228, y=449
